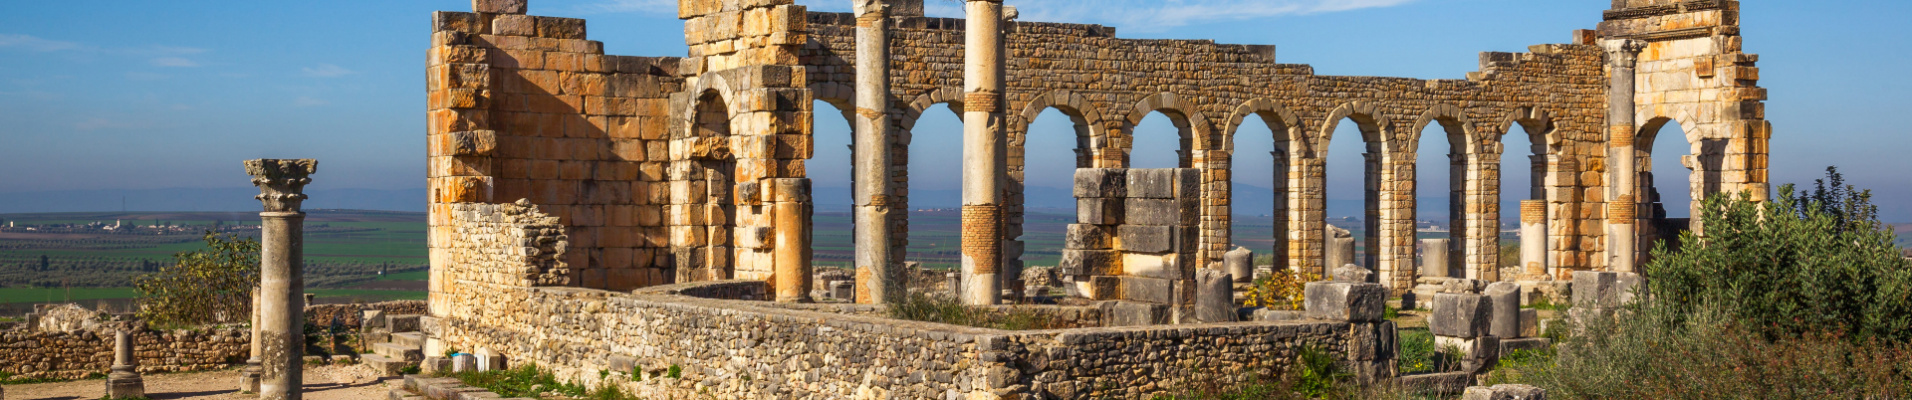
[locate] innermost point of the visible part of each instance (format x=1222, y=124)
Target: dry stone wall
x=83, y=353
x=748, y=349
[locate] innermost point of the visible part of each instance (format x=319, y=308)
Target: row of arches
x=1159, y=135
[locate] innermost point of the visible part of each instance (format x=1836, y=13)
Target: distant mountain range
x=207, y=199
x=1249, y=200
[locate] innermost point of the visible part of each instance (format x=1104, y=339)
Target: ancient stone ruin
x=594, y=212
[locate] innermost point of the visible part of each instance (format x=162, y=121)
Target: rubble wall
x=79, y=354
x=749, y=349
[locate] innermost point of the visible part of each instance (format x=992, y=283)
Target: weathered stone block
x=1149, y=290
x=499, y=6
x=1099, y=211
x=1215, y=297
x=1529, y=323
x=1345, y=301
x=1509, y=346
x=1188, y=183
x=1101, y=183
x=1087, y=237
x=1129, y=313
x=1164, y=266
x=1505, y=298
x=1146, y=238
x=1091, y=262
x=1151, y=183
x=1140, y=211
x=474, y=143
x=1353, y=273
x=1504, y=392
x=1460, y=315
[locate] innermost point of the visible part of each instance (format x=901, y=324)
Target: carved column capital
x=1624, y=52
x=281, y=182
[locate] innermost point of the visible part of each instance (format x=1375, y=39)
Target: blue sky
x=145, y=94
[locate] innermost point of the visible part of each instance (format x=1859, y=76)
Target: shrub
x=1283, y=290
x=203, y=286
x=945, y=310
x=1811, y=263
x=1648, y=354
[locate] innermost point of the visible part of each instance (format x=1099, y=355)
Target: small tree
x=202, y=286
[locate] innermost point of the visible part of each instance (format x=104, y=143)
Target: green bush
x=944, y=310
x=1813, y=263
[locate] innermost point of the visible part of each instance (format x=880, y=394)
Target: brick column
x=282, y=282
x=983, y=153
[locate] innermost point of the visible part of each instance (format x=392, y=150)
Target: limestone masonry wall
x=78, y=354
x=745, y=349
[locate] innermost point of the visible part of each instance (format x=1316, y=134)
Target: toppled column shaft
x=873, y=190
x=983, y=156
x=281, y=277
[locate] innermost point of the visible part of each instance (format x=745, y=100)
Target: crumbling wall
x=525, y=107
x=1135, y=235
x=747, y=349
x=82, y=353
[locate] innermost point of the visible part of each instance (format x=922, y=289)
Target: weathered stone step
x=402, y=394
x=396, y=351
x=402, y=323
x=446, y=389
x=409, y=339
x=385, y=366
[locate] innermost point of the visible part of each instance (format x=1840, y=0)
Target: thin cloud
x=308, y=101
x=30, y=42
x=178, y=62
x=326, y=71
x=94, y=124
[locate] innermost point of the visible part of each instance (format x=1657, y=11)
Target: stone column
x=249, y=377
x=790, y=210
x=124, y=381
x=1622, y=161
x=281, y=275
x=1434, y=258
x=1533, y=238
x=872, y=150
x=983, y=156
x=1241, y=264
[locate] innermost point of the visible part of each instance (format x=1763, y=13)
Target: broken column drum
x=1533, y=238
x=281, y=279
x=1434, y=258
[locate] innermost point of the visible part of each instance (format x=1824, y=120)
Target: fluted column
x=983, y=156
x=281, y=277
x=1623, y=199
x=872, y=149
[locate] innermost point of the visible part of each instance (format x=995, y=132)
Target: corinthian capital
x=281, y=182
x=1624, y=52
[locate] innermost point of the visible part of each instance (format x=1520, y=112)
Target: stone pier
x=873, y=145
x=1622, y=159
x=249, y=376
x=282, y=254
x=124, y=382
x=1533, y=239
x=983, y=156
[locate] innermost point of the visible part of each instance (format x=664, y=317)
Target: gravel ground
x=321, y=383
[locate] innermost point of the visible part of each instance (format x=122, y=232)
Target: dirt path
x=321, y=383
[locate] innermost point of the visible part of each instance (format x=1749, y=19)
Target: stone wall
x=749, y=349
x=78, y=354
x=1136, y=235
x=348, y=314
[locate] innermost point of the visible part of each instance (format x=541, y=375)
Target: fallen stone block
x=1460, y=315
x=1505, y=319
x=1352, y=273
x=1504, y=392
x=1215, y=297
x=1345, y=301
x=1150, y=290
x=1129, y=313
x=1509, y=346
x=1436, y=383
